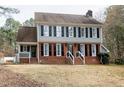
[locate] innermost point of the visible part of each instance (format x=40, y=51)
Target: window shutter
x=55, y=31
x=62, y=29
x=79, y=32
x=74, y=31
x=91, y=32
x=50, y=50
x=50, y=30
x=54, y=49
x=86, y=32
x=97, y=32
x=62, y=49
x=41, y=49
x=67, y=32
x=42, y=30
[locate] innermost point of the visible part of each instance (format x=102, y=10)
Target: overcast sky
x=27, y=12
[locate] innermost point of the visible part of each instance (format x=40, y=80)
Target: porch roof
x=27, y=34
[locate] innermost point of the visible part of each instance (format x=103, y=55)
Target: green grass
x=73, y=75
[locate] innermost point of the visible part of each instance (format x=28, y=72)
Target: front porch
x=57, y=53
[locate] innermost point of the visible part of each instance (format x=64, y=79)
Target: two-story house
x=61, y=38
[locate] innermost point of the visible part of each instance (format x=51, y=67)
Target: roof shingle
x=27, y=34
x=64, y=18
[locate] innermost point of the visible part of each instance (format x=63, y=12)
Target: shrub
x=119, y=61
x=104, y=58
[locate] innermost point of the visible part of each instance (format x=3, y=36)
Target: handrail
x=81, y=56
x=69, y=55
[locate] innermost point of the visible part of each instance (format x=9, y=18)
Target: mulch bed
x=11, y=79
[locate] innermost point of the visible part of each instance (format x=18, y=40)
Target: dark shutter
x=41, y=49
x=54, y=49
x=50, y=49
x=97, y=49
x=78, y=47
x=62, y=29
x=79, y=32
x=62, y=45
x=74, y=31
x=50, y=30
x=90, y=32
x=86, y=32
x=97, y=32
x=90, y=50
x=55, y=31
x=67, y=32
x=86, y=50
x=42, y=30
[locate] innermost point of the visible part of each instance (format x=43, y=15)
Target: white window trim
x=94, y=31
x=47, y=53
x=59, y=50
x=93, y=49
x=46, y=30
x=71, y=31
x=58, y=31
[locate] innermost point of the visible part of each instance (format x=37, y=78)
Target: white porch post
x=38, y=52
x=18, y=57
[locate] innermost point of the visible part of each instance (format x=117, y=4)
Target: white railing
x=24, y=55
x=70, y=56
x=81, y=56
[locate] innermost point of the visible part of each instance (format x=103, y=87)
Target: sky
x=27, y=11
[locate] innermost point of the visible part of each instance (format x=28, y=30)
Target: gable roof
x=64, y=18
x=27, y=34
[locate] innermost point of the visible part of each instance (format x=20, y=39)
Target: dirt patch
x=11, y=79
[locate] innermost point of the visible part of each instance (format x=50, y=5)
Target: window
x=70, y=32
x=94, y=33
x=62, y=29
x=42, y=30
x=46, y=49
x=93, y=49
x=54, y=31
x=21, y=48
x=90, y=32
x=58, y=49
x=82, y=49
x=79, y=32
x=83, y=32
x=97, y=32
x=24, y=48
x=58, y=31
x=50, y=30
x=46, y=30
x=67, y=33
x=86, y=29
x=74, y=31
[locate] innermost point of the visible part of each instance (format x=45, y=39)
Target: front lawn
x=72, y=75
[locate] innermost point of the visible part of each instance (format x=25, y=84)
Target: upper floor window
x=83, y=32
x=58, y=31
x=50, y=30
x=70, y=31
x=94, y=33
x=46, y=30
x=74, y=31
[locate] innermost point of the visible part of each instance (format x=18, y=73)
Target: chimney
x=89, y=13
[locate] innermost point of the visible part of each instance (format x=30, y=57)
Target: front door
x=70, y=48
x=33, y=51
